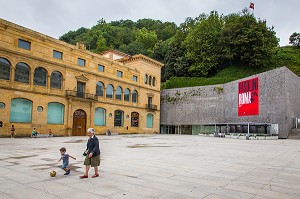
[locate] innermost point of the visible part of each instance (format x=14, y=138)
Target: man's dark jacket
x=93, y=146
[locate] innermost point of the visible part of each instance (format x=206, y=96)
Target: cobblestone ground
x=153, y=166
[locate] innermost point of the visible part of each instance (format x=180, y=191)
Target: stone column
x=69, y=118
x=31, y=79
x=92, y=114
x=63, y=83
x=48, y=82
x=12, y=76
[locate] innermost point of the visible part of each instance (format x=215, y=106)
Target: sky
x=56, y=17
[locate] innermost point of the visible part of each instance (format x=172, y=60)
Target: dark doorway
x=80, y=89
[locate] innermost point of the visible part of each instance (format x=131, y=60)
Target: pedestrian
x=92, y=154
x=108, y=132
x=12, y=131
x=65, y=158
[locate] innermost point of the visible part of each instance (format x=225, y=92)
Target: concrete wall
x=279, y=102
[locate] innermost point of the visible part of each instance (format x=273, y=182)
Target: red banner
x=248, y=97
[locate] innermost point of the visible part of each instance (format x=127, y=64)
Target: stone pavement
x=153, y=166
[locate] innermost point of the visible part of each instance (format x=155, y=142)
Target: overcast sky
x=56, y=17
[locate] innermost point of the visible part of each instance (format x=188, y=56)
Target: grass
x=285, y=56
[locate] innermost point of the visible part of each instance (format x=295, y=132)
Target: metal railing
x=151, y=106
x=70, y=93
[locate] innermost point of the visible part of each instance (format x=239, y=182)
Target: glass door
x=150, y=102
x=80, y=89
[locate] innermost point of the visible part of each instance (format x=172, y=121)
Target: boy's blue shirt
x=65, y=158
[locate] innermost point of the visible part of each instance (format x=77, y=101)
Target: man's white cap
x=91, y=130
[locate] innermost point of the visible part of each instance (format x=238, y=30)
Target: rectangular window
x=57, y=54
x=100, y=68
x=24, y=44
x=134, y=78
x=120, y=73
x=81, y=62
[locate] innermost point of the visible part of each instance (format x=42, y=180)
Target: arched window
x=5, y=67
x=55, y=114
x=22, y=73
x=109, y=91
x=100, y=117
x=56, y=80
x=20, y=110
x=153, y=81
x=135, y=119
x=127, y=95
x=40, y=76
x=134, y=96
x=119, y=118
x=146, y=79
x=149, y=120
x=119, y=92
x=100, y=89
x=150, y=80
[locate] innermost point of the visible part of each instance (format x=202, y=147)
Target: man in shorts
x=92, y=154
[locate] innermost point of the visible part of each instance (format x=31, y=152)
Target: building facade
x=49, y=84
x=267, y=103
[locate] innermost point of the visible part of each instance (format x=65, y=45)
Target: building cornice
x=140, y=57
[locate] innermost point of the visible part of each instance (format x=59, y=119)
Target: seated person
x=50, y=133
x=34, y=133
x=108, y=132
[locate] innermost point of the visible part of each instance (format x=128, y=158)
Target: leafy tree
x=295, y=39
x=71, y=36
x=247, y=40
x=101, y=44
x=203, y=45
x=147, y=38
x=134, y=48
x=176, y=63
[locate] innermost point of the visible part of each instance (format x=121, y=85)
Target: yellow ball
x=52, y=173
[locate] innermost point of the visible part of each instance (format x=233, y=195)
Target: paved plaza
x=151, y=167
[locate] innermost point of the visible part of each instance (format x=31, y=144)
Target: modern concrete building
x=265, y=103
x=49, y=84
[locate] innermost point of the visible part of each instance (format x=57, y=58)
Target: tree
x=295, y=39
x=203, y=45
x=247, y=40
x=176, y=63
x=101, y=44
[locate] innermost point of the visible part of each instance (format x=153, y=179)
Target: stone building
x=266, y=103
x=49, y=84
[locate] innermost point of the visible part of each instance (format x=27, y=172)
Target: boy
x=65, y=158
x=34, y=133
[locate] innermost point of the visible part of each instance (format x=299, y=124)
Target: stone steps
x=294, y=134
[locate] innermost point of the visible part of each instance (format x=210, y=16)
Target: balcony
x=151, y=107
x=88, y=96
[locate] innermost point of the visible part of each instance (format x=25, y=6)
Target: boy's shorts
x=64, y=165
x=93, y=161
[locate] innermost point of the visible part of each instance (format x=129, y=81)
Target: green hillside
x=285, y=56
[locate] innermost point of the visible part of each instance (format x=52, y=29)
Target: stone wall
x=279, y=100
